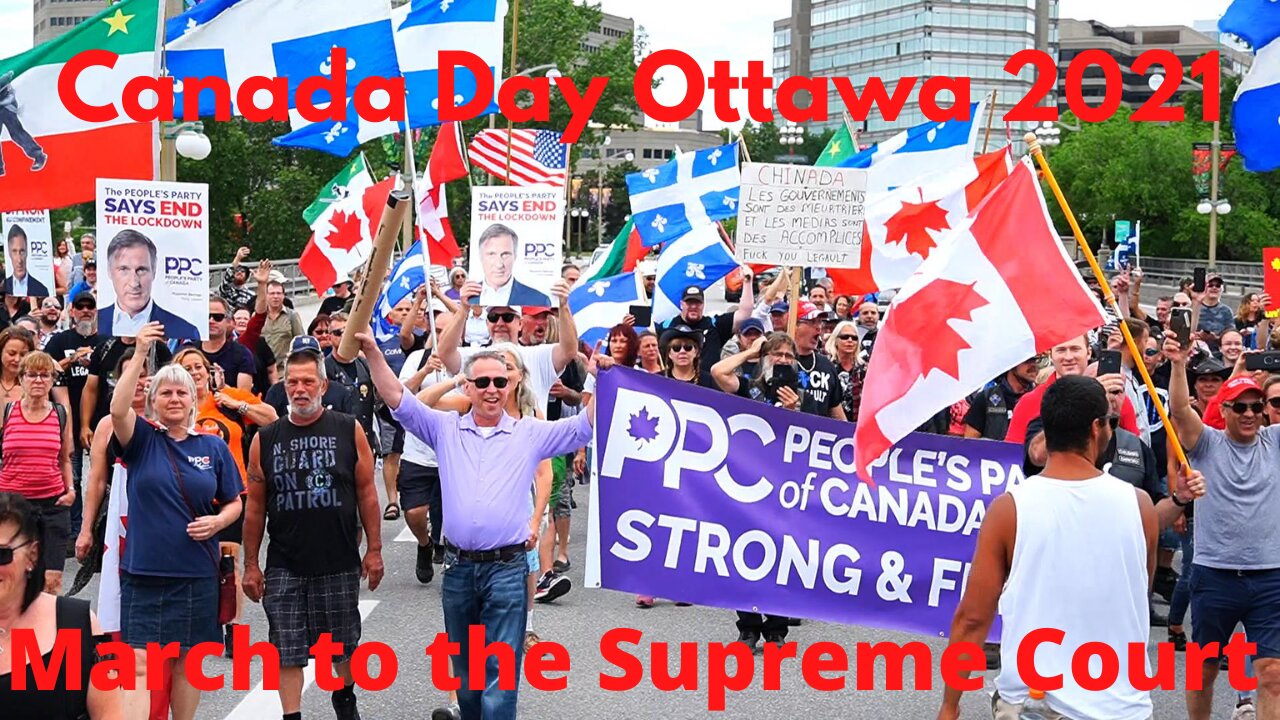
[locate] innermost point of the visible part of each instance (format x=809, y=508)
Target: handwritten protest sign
x=516, y=244
x=801, y=215
x=153, y=243
x=28, y=253
x=719, y=500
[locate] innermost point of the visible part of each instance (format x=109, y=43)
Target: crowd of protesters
x=476, y=422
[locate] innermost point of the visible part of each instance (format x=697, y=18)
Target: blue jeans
x=1182, y=591
x=492, y=594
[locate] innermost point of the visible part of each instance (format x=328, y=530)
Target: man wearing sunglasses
x=487, y=461
x=237, y=363
x=1237, y=538
x=991, y=408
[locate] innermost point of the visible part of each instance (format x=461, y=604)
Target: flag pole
x=379, y=261
x=991, y=118
x=411, y=167
x=515, y=38
x=1033, y=146
x=853, y=133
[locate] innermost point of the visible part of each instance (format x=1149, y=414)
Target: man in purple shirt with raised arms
x=487, y=462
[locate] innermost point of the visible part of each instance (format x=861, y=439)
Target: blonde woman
x=183, y=490
x=845, y=351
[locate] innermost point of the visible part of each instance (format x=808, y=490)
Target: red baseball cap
x=1237, y=386
x=808, y=311
x=535, y=310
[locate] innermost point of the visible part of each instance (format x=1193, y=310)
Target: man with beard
x=71, y=349
x=316, y=489
x=1237, y=540
x=718, y=330
x=1036, y=542
x=819, y=383
x=991, y=408
x=48, y=317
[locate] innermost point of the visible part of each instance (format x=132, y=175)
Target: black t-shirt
x=233, y=358
x=102, y=365
x=312, y=519
x=851, y=389
x=333, y=304
x=716, y=331
x=62, y=346
x=335, y=397
x=355, y=377
x=263, y=360
x=980, y=404
x=704, y=380
x=820, y=384
x=574, y=377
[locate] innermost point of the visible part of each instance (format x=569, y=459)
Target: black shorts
x=419, y=485
x=300, y=609
x=234, y=533
x=57, y=530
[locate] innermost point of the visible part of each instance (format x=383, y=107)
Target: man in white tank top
x=1072, y=549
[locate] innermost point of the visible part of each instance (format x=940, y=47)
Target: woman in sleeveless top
x=37, y=460
x=25, y=610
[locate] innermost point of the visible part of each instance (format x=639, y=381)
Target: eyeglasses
x=507, y=317
x=1151, y=352
x=6, y=553
x=1274, y=402
x=683, y=347
x=37, y=376
x=785, y=357
x=846, y=336
x=84, y=306
x=1239, y=408
x=217, y=317
x=483, y=382
x=335, y=333
x=319, y=332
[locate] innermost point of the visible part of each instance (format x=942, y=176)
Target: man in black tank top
x=310, y=475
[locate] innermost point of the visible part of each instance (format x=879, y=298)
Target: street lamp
x=791, y=135
x=188, y=140
x=576, y=214
x=1049, y=134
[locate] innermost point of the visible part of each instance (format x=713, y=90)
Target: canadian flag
x=342, y=238
x=1001, y=290
x=448, y=162
x=905, y=225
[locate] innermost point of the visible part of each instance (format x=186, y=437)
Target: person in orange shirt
x=225, y=411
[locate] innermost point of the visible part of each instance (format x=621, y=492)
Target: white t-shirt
x=539, y=362
x=416, y=451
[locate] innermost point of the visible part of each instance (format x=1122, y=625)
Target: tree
x=619, y=207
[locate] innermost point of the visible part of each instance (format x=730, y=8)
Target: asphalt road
x=406, y=616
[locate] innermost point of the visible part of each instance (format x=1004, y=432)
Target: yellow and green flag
x=839, y=148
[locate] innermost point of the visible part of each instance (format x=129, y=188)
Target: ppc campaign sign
x=719, y=500
x=516, y=243
x=800, y=215
x=28, y=253
x=153, y=246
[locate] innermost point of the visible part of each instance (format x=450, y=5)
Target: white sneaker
x=1244, y=712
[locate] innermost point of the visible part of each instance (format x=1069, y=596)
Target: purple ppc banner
x=718, y=500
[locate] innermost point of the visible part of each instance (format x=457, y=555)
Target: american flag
x=537, y=156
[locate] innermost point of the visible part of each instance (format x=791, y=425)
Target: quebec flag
x=1255, y=114
x=600, y=304
x=692, y=190
x=919, y=151
x=239, y=39
x=422, y=29
x=699, y=258
x=408, y=275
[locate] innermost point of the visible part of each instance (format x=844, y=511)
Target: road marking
x=263, y=703
x=406, y=535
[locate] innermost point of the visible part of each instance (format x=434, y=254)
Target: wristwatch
x=244, y=408
x=1178, y=501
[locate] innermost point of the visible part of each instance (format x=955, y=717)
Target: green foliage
x=764, y=144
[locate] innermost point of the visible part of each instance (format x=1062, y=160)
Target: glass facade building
x=893, y=39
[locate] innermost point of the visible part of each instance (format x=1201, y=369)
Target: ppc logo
x=177, y=266
x=39, y=248
x=647, y=428
x=539, y=250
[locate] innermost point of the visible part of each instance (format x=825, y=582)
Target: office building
x=611, y=29
x=1125, y=44
x=52, y=18
x=893, y=39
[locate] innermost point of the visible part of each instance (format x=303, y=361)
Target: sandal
x=392, y=512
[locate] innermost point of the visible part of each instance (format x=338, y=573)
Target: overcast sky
x=735, y=30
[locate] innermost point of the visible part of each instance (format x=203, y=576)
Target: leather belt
x=502, y=554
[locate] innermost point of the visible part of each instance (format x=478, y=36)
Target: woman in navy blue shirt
x=183, y=490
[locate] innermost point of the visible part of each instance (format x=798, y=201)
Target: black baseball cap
x=305, y=344
x=84, y=297
x=693, y=293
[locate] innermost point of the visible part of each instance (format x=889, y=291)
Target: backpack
x=58, y=409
